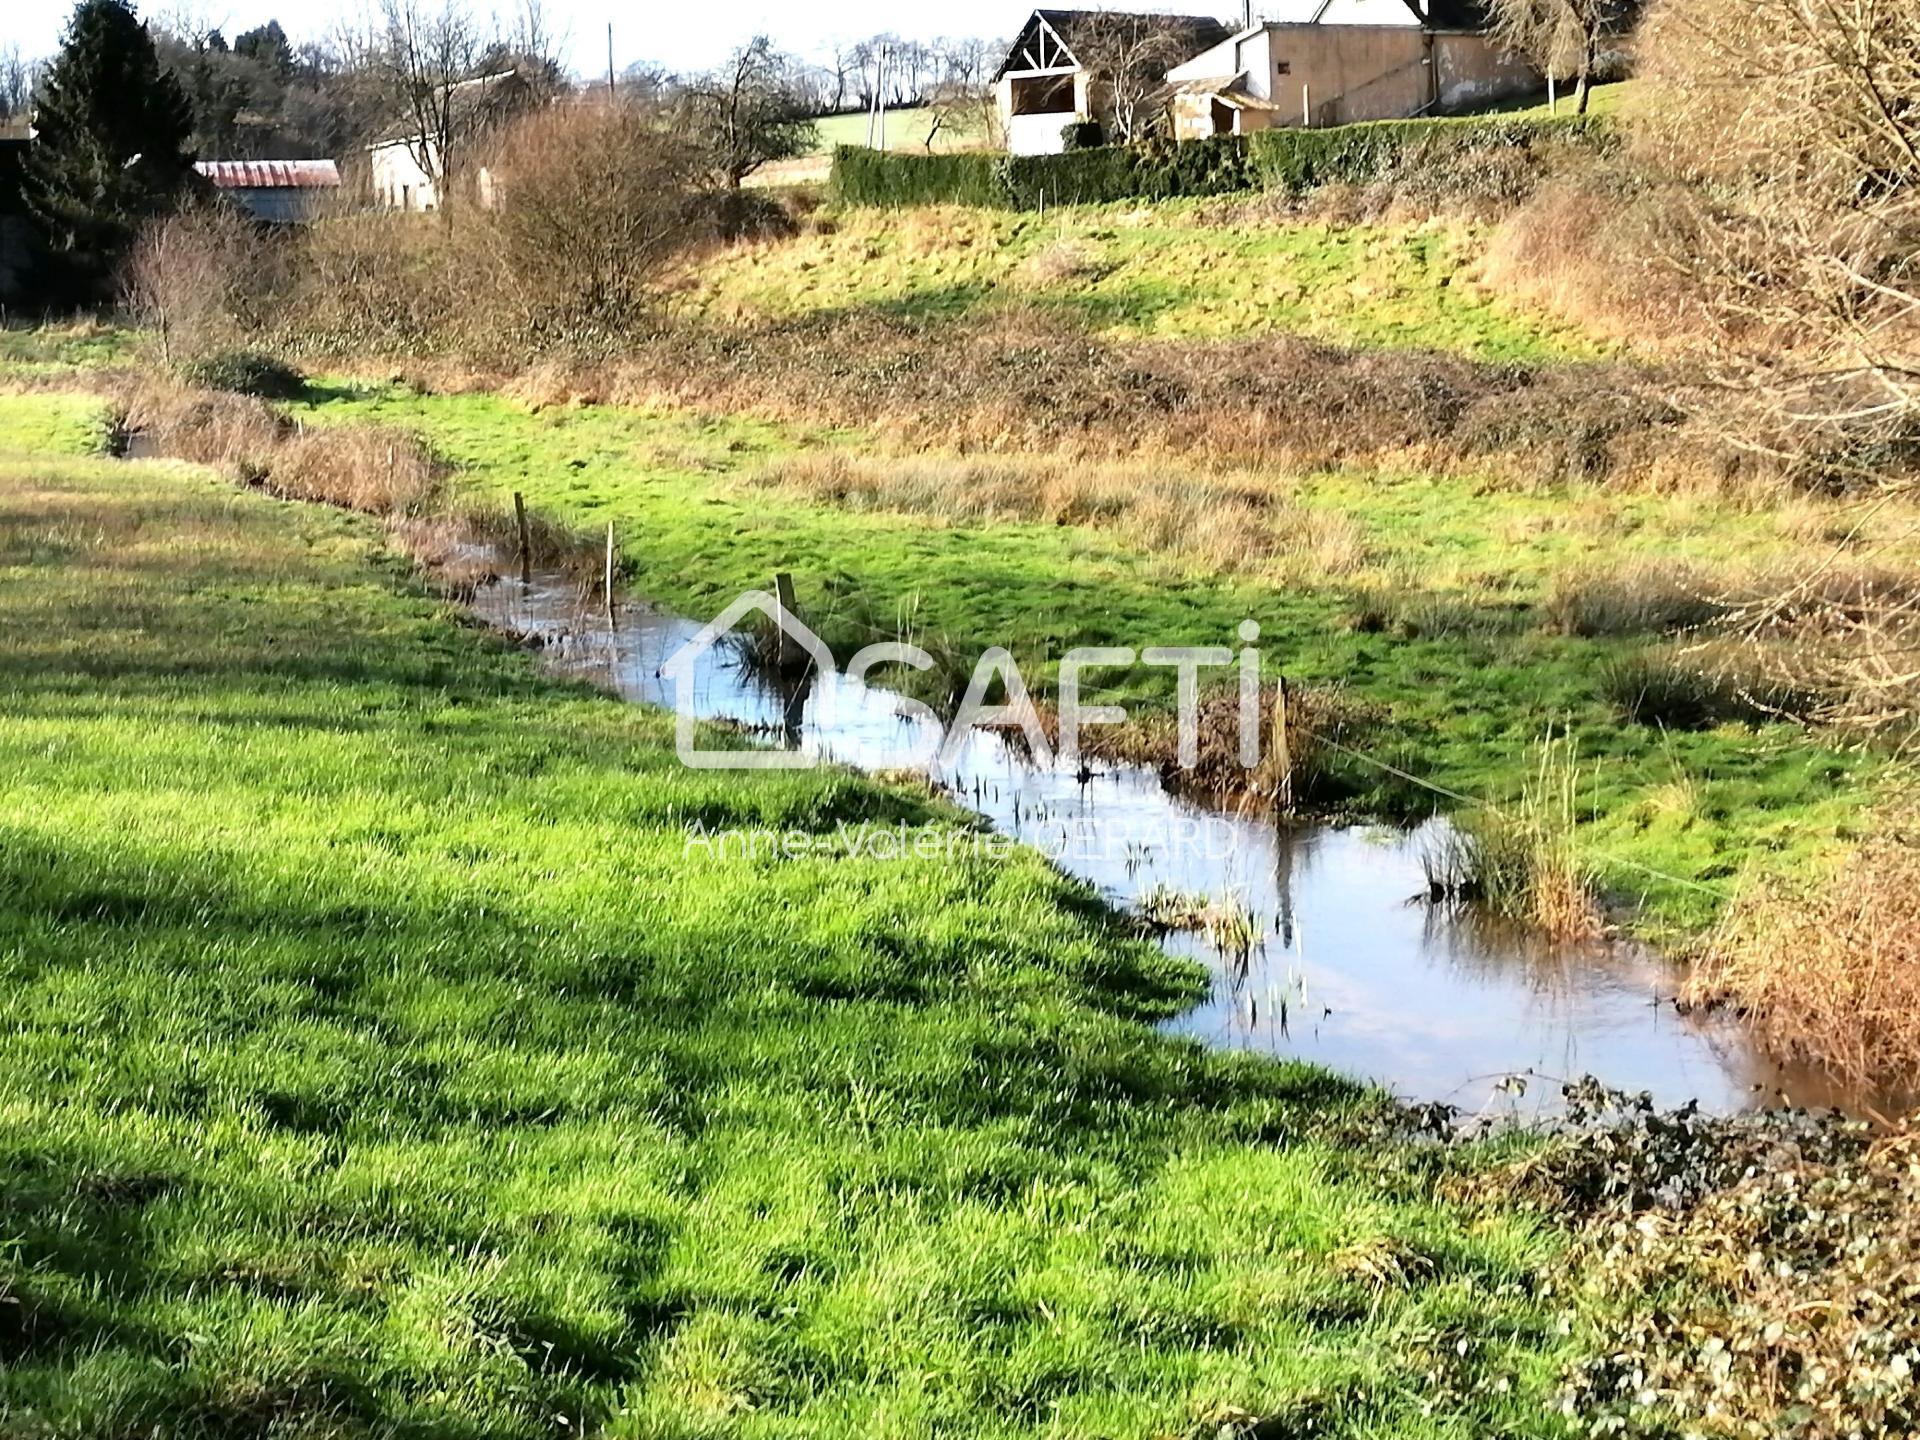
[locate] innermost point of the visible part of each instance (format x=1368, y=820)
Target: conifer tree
x=110, y=137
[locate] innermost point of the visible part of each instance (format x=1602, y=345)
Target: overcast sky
x=680, y=34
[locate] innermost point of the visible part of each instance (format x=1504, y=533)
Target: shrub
x=594, y=200
x=1827, y=969
x=874, y=177
x=1287, y=160
x=1701, y=690
x=244, y=372
x=1083, y=135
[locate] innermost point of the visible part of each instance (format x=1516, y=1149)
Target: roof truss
x=1040, y=50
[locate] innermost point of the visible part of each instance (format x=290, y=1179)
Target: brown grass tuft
x=1828, y=970
x=1238, y=523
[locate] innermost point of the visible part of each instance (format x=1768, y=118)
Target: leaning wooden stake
x=790, y=652
x=609, y=570
x=1283, y=748
x=526, y=538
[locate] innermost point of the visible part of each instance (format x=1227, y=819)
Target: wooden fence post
x=609, y=581
x=526, y=538
x=789, y=648
x=1283, y=748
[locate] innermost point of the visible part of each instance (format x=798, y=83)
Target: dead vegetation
x=1827, y=968
x=1521, y=861
x=1322, y=723
x=1020, y=384
x=1239, y=523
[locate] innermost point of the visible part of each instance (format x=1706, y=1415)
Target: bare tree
x=594, y=200
x=1562, y=37
x=749, y=114
x=186, y=276
x=1798, y=124
x=1127, y=58
x=424, y=62
x=16, y=83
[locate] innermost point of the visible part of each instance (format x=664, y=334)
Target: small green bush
x=1083, y=135
x=244, y=372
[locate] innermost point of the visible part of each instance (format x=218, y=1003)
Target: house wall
x=1353, y=72
x=1347, y=73
x=1041, y=134
x=1474, y=72
x=398, y=181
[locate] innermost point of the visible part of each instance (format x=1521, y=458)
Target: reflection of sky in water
x=1368, y=980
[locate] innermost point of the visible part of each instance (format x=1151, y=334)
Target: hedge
x=1290, y=159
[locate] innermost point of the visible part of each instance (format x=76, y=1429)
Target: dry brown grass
x=1320, y=719
x=1226, y=523
x=1598, y=247
x=371, y=469
x=1018, y=384
x=1828, y=969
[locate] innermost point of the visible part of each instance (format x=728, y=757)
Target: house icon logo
x=799, y=648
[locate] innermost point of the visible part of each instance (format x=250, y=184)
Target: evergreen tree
x=110, y=142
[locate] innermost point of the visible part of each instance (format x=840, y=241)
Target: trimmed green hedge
x=1288, y=159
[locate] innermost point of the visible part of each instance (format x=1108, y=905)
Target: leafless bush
x=1800, y=122
x=1829, y=969
x=592, y=201
x=195, y=277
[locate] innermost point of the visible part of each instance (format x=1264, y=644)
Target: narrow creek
x=1352, y=970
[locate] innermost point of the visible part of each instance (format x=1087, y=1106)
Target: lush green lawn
x=1169, y=270
x=1467, y=684
x=376, y=1061
x=907, y=129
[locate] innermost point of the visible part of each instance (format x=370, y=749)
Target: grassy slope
x=375, y=1061
x=1128, y=271
x=1468, y=698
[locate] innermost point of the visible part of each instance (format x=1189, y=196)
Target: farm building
x=280, y=192
x=405, y=165
x=1334, y=62
x=1070, y=66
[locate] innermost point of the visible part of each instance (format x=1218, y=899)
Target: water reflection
x=1349, y=968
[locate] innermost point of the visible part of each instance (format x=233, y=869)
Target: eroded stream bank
x=1348, y=966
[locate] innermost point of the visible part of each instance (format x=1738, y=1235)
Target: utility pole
x=612, y=95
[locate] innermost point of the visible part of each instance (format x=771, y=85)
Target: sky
x=680, y=34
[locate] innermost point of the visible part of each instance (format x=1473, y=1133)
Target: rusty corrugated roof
x=271, y=174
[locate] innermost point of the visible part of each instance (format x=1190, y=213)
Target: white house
x=469, y=109
x=1334, y=62
x=1060, y=69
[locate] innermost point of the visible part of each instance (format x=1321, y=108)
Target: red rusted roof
x=271, y=174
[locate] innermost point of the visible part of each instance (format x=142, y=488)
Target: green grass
x=377, y=1062
x=52, y=423
x=55, y=351
x=906, y=130
x=1614, y=98
x=1466, y=679
x=1165, y=271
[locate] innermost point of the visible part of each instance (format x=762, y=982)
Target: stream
x=1352, y=970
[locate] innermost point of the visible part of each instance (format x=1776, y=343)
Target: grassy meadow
x=1184, y=268
x=377, y=1061
x=1469, y=619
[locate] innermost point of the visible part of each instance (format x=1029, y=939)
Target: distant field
x=906, y=130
